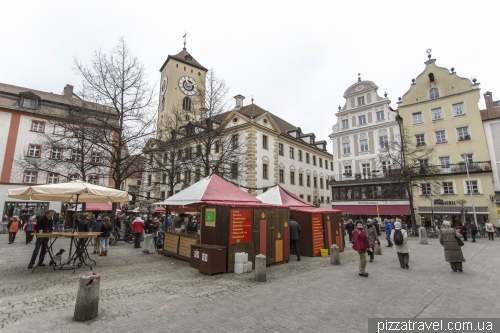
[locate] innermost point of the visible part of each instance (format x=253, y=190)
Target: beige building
x=441, y=110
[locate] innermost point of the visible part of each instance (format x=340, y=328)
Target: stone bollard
x=377, y=249
x=334, y=255
x=87, y=298
x=422, y=235
x=260, y=268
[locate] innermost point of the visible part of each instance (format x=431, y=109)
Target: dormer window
x=361, y=101
x=188, y=57
x=433, y=93
x=29, y=103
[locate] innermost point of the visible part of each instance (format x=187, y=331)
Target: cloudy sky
x=295, y=57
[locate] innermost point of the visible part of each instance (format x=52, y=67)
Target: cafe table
x=80, y=240
x=52, y=237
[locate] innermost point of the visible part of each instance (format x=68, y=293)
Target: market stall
x=228, y=217
x=320, y=228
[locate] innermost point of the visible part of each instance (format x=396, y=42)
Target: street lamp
x=469, y=188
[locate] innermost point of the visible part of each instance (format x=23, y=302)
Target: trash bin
x=195, y=255
x=148, y=245
x=213, y=259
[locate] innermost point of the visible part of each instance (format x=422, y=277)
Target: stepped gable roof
x=185, y=58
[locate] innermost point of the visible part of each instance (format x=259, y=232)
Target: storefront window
x=336, y=194
x=378, y=191
x=356, y=192
x=12, y=208
x=349, y=193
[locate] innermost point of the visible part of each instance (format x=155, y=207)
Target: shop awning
x=394, y=209
x=452, y=210
x=372, y=209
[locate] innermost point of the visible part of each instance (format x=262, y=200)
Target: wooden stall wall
x=271, y=232
x=333, y=231
x=305, y=236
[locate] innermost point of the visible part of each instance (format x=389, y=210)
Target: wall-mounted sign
x=317, y=234
x=240, y=226
x=210, y=217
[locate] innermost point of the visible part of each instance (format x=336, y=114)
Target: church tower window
x=186, y=104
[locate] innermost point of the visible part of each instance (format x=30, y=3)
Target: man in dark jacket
x=349, y=227
x=43, y=225
x=294, y=236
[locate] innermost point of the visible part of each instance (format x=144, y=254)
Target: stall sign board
x=204, y=257
x=185, y=246
x=210, y=217
x=317, y=233
x=240, y=226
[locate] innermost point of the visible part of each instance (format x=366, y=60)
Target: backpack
x=398, y=237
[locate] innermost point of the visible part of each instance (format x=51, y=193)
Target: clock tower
x=182, y=80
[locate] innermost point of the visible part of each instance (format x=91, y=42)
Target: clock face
x=188, y=85
x=164, y=85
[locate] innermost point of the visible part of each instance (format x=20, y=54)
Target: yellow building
x=441, y=110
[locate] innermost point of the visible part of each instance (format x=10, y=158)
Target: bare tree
x=119, y=82
x=408, y=169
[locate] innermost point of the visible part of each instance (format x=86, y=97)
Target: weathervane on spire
x=185, y=34
x=359, y=77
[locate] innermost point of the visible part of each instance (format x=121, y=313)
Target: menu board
x=240, y=226
x=317, y=234
x=185, y=246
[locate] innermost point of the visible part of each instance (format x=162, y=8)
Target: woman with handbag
x=451, y=241
x=372, y=234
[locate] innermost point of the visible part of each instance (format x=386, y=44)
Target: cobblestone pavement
x=154, y=293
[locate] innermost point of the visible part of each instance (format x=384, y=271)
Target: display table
x=178, y=246
x=81, y=241
x=50, y=243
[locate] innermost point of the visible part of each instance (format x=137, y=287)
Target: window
x=472, y=187
x=299, y=155
x=34, y=150
x=307, y=158
x=264, y=141
x=52, y=178
x=463, y=133
x=179, y=153
x=164, y=178
x=197, y=175
x=331, y=165
x=386, y=166
x=149, y=180
x=148, y=195
x=187, y=177
x=420, y=139
x=186, y=104
x=94, y=179
x=314, y=160
x=178, y=177
x=30, y=177
x=28, y=103
x=309, y=198
x=424, y=162
x=348, y=170
x=139, y=182
x=234, y=170
x=281, y=176
x=198, y=151
x=292, y=177
x=315, y=182
x=308, y=180
x=425, y=189
x=383, y=141
x=322, y=199
x=467, y=158
x=433, y=93
x=162, y=194
x=444, y=162
x=78, y=132
x=448, y=188
x=38, y=126
x=361, y=100
x=326, y=183
x=440, y=136
x=291, y=152
x=217, y=146
x=186, y=118
x=363, y=145
x=56, y=153
x=96, y=157
x=321, y=183
x=320, y=162
x=458, y=109
x=235, y=140
x=361, y=120
x=345, y=123
x=417, y=118
x=59, y=130
x=327, y=200
x=301, y=179
x=280, y=149
x=151, y=159
x=380, y=115
x=346, y=147
x=437, y=114
x=366, y=169
x=76, y=155
x=264, y=171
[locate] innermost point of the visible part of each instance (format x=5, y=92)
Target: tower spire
x=185, y=34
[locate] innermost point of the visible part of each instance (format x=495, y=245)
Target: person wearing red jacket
x=361, y=245
x=138, y=226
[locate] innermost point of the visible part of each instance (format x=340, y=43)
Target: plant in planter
x=357, y=175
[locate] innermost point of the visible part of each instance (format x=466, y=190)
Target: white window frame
x=30, y=177
x=425, y=191
x=34, y=150
x=348, y=169
x=421, y=116
x=383, y=141
x=35, y=126
x=438, y=139
x=432, y=94
x=446, y=189
x=345, y=123
x=361, y=100
x=362, y=117
x=57, y=152
x=346, y=148
x=417, y=136
x=454, y=109
x=380, y=115
x=461, y=136
x=437, y=111
x=363, y=145
x=96, y=157
x=469, y=158
x=475, y=184
x=366, y=169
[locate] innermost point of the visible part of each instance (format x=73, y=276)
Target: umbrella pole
x=73, y=231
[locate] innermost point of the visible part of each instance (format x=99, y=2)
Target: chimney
x=239, y=101
x=490, y=107
x=68, y=91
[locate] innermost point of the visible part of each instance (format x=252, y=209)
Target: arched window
x=186, y=104
x=433, y=93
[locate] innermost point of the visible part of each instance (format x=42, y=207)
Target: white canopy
x=76, y=190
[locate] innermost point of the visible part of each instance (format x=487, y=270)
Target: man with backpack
x=402, y=248
x=388, y=229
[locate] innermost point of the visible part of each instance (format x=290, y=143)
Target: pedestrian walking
x=29, y=229
x=371, y=233
x=350, y=229
x=448, y=237
x=43, y=225
x=148, y=225
x=96, y=227
x=399, y=237
x=13, y=227
x=105, y=233
x=490, y=230
x=361, y=245
x=388, y=229
x=294, y=236
x=463, y=230
x=138, y=226
x=473, y=232
x=156, y=225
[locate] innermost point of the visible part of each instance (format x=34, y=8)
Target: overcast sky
x=295, y=57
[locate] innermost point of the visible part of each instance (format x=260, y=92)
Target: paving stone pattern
x=154, y=293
